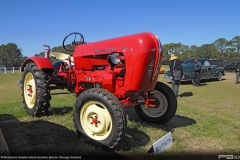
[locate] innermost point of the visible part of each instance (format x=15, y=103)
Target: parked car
x=230, y=67
x=208, y=71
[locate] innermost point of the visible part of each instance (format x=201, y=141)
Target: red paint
x=95, y=120
x=30, y=90
x=127, y=80
x=41, y=62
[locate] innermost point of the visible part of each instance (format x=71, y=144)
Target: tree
x=10, y=55
x=236, y=43
x=172, y=48
x=221, y=45
x=41, y=54
x=206, y=50
x=166, y=48
x=193, y=51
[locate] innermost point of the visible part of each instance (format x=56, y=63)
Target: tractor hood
x=142, y=53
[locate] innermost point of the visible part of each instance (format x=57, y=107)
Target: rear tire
x=166, y=105
x=35, y=90
x=99, y=115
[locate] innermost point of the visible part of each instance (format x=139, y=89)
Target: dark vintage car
x=208, y=71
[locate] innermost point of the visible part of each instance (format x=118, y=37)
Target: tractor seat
x=62, y=56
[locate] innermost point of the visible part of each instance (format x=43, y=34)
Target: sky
x=31, y=23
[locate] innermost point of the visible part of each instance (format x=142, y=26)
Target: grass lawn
x=207, y=122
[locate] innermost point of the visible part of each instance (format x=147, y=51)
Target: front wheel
x=219, y=77
x=98, y=115
x=166, y=105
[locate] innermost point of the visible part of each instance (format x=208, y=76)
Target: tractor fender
x=41, y=62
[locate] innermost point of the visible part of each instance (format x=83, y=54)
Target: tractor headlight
x=114, y=58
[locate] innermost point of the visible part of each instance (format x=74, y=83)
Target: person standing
x=176, y=72
x=237, y=71
x=197, y=70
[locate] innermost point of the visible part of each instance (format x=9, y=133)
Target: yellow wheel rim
x=95, y=120
x=29, y=90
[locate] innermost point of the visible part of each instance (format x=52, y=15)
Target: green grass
x=206, y=121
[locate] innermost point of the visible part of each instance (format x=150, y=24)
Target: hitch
x=147, y=99
x=150, y=102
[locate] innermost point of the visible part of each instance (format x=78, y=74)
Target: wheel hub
x=30, y=90
x=95, y=120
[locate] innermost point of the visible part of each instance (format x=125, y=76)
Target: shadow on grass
x=59, y=93
x=43, y=138
x=175, y=122
x=203, y=81
x=186, y=94
x=59, y=111
x=133, y=138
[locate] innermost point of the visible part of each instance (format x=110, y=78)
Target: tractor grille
x=158, y=67
x=150, y=68
x=158, y=58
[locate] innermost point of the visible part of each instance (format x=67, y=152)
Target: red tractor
x=106, y=76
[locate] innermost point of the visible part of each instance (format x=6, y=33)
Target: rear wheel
x=166, y=105
x=35, y=90
x=98, y=115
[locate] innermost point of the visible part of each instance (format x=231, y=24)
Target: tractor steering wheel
x=71, y=45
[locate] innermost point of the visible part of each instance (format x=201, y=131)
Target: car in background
x=208, y=71
x=230, y=67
